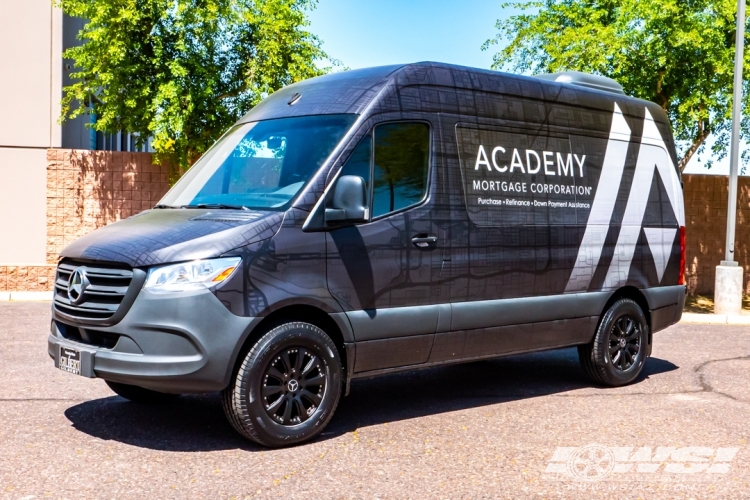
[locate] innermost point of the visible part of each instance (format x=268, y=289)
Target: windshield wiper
x=163, y=206
x=220, y=206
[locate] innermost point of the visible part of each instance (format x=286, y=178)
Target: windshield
x=261, y=165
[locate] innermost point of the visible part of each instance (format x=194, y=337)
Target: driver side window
x=398, y=161
x=401, y=164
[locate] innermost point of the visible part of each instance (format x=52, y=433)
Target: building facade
x=31, y=45
x=33, y=36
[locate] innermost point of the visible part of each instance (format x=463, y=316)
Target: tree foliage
x=182, y=71
x=677, y=53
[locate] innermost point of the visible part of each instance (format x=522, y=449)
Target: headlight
x=195, y=275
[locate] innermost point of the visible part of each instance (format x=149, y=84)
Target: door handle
x=424, y=241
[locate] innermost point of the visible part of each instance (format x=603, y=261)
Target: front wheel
x=618, y=352
x=287, y=387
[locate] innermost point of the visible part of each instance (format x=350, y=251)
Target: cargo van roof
x=341, y=92
x=354, y=91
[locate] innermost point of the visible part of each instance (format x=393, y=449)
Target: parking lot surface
x=528, y=426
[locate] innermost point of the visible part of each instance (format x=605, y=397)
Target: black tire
x=139, y=394
x=287, y=387
x=620, y=347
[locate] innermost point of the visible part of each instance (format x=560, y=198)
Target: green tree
x=677, y=53
x=182, y=71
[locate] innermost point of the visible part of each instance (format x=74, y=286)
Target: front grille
x=102, y=298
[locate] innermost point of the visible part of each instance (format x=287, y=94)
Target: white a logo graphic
x=652, y=155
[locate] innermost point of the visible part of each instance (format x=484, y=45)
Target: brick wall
x=90, y=189
x=26, y=278
x=706, y=229
x=85, y=191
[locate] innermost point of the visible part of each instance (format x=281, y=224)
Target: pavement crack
x=698, y=370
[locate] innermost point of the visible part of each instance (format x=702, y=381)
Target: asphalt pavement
x=528, y=426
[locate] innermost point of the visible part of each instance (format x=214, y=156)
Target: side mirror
x=348, y=204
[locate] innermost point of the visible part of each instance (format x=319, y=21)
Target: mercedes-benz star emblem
x=77, y=284
x=293, y=385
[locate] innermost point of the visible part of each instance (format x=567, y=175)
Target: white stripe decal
x=660, y=241
x=652, y=155
x=600, y=215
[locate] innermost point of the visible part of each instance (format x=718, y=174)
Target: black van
x=386, y=219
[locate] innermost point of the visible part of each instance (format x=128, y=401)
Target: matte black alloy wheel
x=624, y=342
x=617, y=353
x=286, y=388
x=294, y=385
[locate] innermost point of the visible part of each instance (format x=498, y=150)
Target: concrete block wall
x=85, y=191
x=26, y=278
x=706, y=225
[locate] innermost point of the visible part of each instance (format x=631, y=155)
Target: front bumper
x=183, y=342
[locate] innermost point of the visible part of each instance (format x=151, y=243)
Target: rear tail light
x=681, y=279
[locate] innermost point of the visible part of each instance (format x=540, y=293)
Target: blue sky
x=378, y=32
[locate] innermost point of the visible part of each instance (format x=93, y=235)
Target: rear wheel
x=287, y=387
x=139, y=394
x=618, y=352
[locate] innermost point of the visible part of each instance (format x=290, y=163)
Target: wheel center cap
x=623, y=342
x=293, y=385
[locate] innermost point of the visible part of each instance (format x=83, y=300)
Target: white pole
x=728, y=286
x=734, y=155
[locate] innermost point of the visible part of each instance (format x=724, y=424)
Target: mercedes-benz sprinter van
x=386, y=219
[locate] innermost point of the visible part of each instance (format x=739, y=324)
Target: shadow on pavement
x=189, y=423
x=197, y=423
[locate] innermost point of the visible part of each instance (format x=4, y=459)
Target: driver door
x=386, y=273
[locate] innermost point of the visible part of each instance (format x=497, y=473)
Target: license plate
x=70, y=360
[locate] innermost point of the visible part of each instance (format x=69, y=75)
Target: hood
x=162, y=236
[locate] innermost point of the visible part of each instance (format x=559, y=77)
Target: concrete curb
x=25, y=296
x=715, y=319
